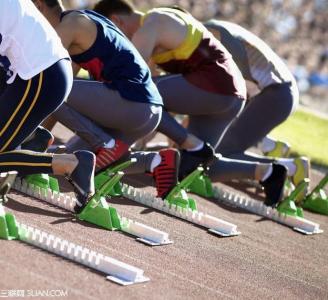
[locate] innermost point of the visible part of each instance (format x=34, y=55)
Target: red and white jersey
x=256, y=60
x=28, y=43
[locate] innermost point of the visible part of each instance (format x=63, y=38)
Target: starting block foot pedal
x=317, y=200
x=178, y=195
x=102, y=177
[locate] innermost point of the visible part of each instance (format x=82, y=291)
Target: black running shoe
x=166, y=173
x=39, y=140
x=82, y=178
x=191, y=160
x=274, y=185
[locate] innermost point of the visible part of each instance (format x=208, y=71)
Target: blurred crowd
x=296, y=29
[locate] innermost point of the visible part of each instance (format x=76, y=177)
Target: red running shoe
x=166, y=173
x=107, y=156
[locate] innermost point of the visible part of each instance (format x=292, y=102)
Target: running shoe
x=107, y=156
x=82, y=178
x=166, y=173
x=191, y=160
x=274, y=185
x=39, y=141
x=281, y=149
x=302, y=171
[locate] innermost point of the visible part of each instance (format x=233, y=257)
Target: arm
x=77, y=32
x=146, y=37
x=66, y=31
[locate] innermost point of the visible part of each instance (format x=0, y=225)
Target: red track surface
x=267, y=261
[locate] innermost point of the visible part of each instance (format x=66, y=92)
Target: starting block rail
x=287, y=213
x=115, y=270
x=99, y=213
x=257, y=207
x=215, y=225
x=177, y=203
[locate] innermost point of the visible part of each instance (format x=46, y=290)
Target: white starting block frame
x=259, y=208
x=116, y=271
x=145, y=234
x=214, y=225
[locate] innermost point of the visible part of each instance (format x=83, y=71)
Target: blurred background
x=296, y=29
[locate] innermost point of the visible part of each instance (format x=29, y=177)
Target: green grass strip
x=307, y=134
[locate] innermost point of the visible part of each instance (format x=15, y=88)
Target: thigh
x=263, y=113
x=130, y=136
x=212, y=128
x=106, y=107
x=182, y=97
x=26, y=103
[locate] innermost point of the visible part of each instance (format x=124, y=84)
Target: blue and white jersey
x=28, y=43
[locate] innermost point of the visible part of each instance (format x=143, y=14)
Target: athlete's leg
x=127, y=120
x=88, y=130
x=23, y=106
x=263, y=113
x=210, y=114
x=109, y=123
x=213, y=110
x=271, y=176
x=26, y=103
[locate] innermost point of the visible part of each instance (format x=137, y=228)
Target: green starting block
x=8, y=226
x=43, y=181
x=178, y=195
x=102, y=177
x=202, y=186
x=98, y=211
x=288, y=205
x=317, y=200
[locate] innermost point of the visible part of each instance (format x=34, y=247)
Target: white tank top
x=28, y=43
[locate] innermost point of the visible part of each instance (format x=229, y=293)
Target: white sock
x=267, y=144
x=110, y=144
x=155, y=162
x=267, y=173
x=198, y=147
x=289, y=164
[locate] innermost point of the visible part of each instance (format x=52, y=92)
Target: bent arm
x=146, y=38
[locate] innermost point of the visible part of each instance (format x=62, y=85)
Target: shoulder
x=76, y=21
x=155, y=18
